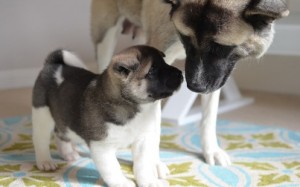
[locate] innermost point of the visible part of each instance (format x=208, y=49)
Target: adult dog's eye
x=220, y=50
x=235, y=57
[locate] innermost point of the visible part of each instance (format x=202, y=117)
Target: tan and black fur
x=214, y=33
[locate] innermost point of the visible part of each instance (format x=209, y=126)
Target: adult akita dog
x=211, y=34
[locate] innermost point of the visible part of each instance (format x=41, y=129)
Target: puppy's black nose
x=174, y=80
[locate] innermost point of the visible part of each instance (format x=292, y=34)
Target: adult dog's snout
x=197, y=87
x=205, y=75
x=201, y=84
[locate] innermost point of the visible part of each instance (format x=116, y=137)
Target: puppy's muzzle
x=172, y=81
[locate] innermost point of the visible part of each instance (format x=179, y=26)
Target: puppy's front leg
x=211, y=150
x=106, y=162
x=146, y=164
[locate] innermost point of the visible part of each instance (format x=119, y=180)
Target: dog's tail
x=51, y=74
x=64, y=57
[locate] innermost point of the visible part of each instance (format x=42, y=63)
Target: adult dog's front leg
x=108, y=166
x=146, y=164
x=211, y=150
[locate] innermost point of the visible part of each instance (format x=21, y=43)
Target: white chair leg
x=177, y=107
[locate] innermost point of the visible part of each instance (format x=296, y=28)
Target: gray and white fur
x=107, y=111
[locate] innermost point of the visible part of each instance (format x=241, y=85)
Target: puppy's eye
x=123, y=70
x=151, y=72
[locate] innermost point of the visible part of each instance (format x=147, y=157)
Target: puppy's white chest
x=143, y=123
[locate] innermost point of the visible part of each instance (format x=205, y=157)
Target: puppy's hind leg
x=105, y=26
x=67, y=149
x=42, y=127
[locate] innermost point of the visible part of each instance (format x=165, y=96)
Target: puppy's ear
x=125, y=62
x=125, y=65
x=162, y=54
x=174, y=3
x=124, y=69
x=121, y=69
x=265, y=11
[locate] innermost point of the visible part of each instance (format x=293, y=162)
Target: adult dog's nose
x=197, y=87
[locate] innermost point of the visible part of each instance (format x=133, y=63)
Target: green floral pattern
x=262, y=157
x=22, y=175
x=181, y=175
x=278, y=173
x=268, y=140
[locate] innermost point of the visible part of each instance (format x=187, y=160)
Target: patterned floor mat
x=262, y=156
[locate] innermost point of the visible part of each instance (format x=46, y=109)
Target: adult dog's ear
x=262, y=12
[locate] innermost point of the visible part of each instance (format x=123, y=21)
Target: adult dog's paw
x=217, y=156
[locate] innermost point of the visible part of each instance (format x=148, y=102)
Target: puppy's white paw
x=155, y=183
x=217, y=156
x=48, y=165
x=162, y=170
x=122, y=183
x=72, y=156
x=152, y=177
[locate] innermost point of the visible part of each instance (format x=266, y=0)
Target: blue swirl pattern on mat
x=262, y=156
